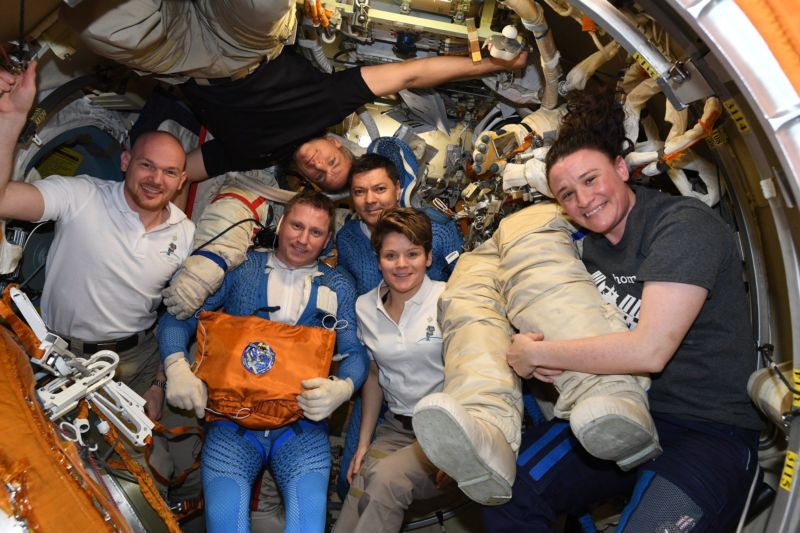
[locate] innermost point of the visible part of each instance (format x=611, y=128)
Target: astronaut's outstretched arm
x=203, y=271
x=429, y=72
x=17, y=200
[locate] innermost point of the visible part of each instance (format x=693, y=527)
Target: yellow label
x=474, y=43
x=736, y=115
x=37, y=116
x=62, y=161
x=789, y=467
x=796, y=397
x=646, y=65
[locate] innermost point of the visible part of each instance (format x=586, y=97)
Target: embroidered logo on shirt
x=430, y=332
x=258, y=358
x=170, y=249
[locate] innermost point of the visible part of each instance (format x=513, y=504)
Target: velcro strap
x=220, y=262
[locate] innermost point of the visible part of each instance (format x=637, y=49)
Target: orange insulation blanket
x=777, y=22
x=54, y=491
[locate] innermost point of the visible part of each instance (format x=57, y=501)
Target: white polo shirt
x=408, y=354
x=104, y=272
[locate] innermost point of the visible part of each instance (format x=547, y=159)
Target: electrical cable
x=28, y=238
x=226, y=230
x=766, y=351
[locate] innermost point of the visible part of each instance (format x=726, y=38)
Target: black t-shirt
x=262, y=118
x=681, y=240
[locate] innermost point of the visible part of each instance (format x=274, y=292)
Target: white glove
x=184, y=389
x=199, y=278
x=322, y=396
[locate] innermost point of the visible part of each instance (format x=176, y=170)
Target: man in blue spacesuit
x=301, y=291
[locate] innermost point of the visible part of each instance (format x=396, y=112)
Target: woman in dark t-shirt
x=672, y=267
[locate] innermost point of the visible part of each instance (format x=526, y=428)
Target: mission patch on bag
x=258, y=358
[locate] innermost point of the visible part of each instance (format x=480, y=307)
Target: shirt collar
x=274, y=262
x=423, y=291
x=418, y=298
x=174, y=215
x=365, y=229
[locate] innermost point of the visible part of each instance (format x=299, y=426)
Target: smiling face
x=154, y=171
x=403, y=264
x=593, y=191
x=373, y=192
x=322, y=162
x=304, y=231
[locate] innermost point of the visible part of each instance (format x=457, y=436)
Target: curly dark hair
x=594, y=120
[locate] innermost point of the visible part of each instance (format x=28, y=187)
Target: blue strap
x=645, y=478
x=578, y=235
x=542, y=467
x=295, y=428
x=262, y=289
x=532, y=408
x=220, y=262
x=307, y=317
x=246, y=433
x=587, y=524
x=541, y=442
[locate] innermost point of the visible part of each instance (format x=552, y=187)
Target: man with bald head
x=116, y=244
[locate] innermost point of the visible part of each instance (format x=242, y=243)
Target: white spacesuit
x=528, y=276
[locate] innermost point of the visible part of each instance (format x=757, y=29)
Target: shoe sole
x=616, y=438
x=452, y=452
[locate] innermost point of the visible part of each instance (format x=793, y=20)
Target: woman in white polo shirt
x=398, y=324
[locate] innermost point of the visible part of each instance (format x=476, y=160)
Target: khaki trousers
x=394, y=473
x=198, y=39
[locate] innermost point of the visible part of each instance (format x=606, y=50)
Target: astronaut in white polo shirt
x=116, y=245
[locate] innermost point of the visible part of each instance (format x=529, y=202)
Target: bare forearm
x=430, y=71
x=16, y=97
x=616, y=353
x=371, y=401
x=668, y=310
x=17, y=200
x=10, y=128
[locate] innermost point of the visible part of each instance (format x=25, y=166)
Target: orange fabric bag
x=253, y=366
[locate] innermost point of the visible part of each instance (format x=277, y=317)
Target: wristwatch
x=160, y=383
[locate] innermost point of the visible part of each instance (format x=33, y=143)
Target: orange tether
x=146, y=484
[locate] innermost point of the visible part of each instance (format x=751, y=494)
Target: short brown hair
x=413, y=223
x=368, y=162
x=316, y=200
